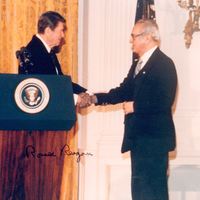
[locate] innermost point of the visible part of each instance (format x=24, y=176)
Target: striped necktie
x=138, y=67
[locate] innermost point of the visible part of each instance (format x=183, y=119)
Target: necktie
x=138, y=67
x=55, y=61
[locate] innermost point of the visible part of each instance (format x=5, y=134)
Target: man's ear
x=47, y=30
x=147, y=38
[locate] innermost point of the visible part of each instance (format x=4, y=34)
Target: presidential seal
x=31, y=95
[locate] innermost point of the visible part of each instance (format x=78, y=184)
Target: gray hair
x=150, y=27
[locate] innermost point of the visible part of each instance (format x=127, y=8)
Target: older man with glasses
x=148, y=93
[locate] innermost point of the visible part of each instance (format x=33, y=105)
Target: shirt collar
x=147, y=55
x=44, y=43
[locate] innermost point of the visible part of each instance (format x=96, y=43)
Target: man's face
x=137, y=39
x=55, y=37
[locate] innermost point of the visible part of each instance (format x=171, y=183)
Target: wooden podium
x=35, y=113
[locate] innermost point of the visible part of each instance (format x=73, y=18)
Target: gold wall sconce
x=192, y=25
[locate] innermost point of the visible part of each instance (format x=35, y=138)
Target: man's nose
x=131, y=40
x=62, y=34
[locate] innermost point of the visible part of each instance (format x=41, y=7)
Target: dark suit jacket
x=43, y=63
x=150, y=128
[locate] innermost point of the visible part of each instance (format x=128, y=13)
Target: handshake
x=85, y=100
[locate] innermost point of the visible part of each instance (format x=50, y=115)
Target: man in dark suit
x=43, y=47
x=39, y=57
x=148, y=92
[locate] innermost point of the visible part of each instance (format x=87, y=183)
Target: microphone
x=24, y=58
x=19, y=58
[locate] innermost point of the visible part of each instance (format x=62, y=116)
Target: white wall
x=104, y=60
x=184, y=182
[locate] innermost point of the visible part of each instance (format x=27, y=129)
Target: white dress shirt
x=146, y=56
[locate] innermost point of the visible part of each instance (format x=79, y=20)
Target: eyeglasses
x=137, y=35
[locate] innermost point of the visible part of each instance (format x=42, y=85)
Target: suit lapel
x=149, y=63
x=144, y=72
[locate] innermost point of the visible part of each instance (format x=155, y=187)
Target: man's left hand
x=128, y=107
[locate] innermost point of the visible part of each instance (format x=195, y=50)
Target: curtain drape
x=36, y=179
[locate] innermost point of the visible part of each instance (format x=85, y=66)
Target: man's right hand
x=84, y=100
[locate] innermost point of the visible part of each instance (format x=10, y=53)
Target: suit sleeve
x=119, y=94
x=77, y=89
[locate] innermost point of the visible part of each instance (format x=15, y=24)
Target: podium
x=35, y=113
x=36, y=102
